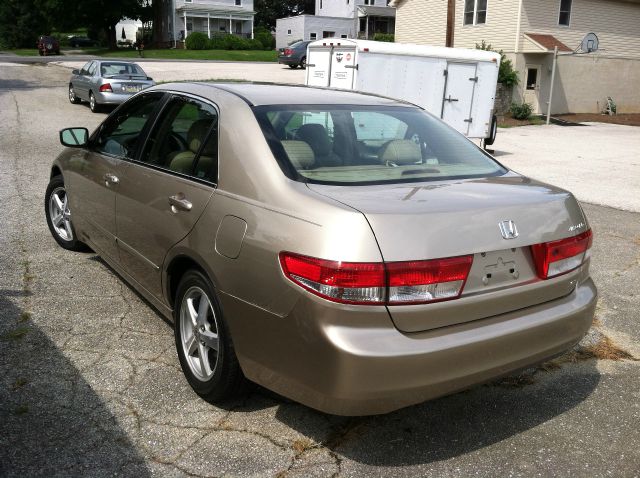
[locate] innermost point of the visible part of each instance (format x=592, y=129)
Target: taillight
x=288, y=51
x=559, y=257
x=377, y=283
x=106, y=88
x=427, y=281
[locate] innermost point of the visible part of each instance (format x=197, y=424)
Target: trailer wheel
x=493, y=131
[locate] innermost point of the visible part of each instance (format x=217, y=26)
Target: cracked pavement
x=90, y=383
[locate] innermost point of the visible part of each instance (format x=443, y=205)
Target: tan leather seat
x=183, y=162
x=300, y=153
x=316, y=136
x=399, y=152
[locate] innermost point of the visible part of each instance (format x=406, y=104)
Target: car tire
x=59, y=217
x=303, y=63
x=93, y=104
x=218, y=377
x=293, y=67
x=72, y=95
x=493, y=131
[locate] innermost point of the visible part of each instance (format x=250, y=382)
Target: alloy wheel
x=59, y=214
x=199, y=333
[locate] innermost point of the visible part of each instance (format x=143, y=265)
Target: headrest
x=300, y=153
x=400, y=151
x=197, y=133
x=316, y=136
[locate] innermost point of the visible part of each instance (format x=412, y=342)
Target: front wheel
x=72, y=95
x=56, y=204
x=293, y=67
x=203, y=341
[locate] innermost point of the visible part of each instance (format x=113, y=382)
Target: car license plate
x=131, y=89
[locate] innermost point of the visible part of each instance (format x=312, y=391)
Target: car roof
x=259, y=94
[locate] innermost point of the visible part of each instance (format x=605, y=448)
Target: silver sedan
x=103, y=82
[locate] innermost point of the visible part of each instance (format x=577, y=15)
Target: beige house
x=528, y=30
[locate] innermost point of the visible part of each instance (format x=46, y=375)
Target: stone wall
x=503, y=100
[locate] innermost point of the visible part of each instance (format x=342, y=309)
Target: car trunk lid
x=420, y=221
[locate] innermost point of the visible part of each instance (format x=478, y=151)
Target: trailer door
x=318, y=66
x=343, y=62
x=458, y=95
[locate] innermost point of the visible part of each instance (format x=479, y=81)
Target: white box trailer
x=455, y=84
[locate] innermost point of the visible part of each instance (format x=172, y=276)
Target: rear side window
x=367, y=145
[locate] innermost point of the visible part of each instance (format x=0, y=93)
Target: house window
x=189, y=26
x=328, y=34
x=369, y=2
x=344, y=36
x=565, y=13
x=313, y=36
x=288, y=32
x=475, y=12
x=238, y=3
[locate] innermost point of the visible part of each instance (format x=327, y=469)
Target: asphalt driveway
x=90, y=384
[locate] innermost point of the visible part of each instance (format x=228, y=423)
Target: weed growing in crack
x=19, y=383
x=24, y=317
x=21, y=409
x=15, y=334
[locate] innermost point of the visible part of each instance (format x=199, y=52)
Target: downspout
x=519, y=20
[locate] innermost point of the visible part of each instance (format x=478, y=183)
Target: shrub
x=265, y=37
x=233, y=42
x=521, y=111
x=216, y=43
x=388, y=37
x=506, y=74
x=253, y=44
x=197, y=41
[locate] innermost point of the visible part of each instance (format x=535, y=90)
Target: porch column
x=208, y=25
x=230, y=25
x=366, y=27
x=185, y=26
x=252, y=28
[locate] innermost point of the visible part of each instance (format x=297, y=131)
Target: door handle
x=451, y=99
x=179, y=202
x=110, y=179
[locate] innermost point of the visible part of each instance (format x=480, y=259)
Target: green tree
x=268, y=11
x=21, y=22
x=506, y=74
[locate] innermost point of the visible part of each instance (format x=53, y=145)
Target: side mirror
x=75, y=72
x=74, y=137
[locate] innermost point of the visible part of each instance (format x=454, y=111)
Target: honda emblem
x=508, y=229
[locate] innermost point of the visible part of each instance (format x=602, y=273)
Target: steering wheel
x=177, y=142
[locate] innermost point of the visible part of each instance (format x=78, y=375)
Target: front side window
x=121, y=134
x=367, y=145
x=475, y=12
x=86, y=67
x=565, y=13
x=185, y=139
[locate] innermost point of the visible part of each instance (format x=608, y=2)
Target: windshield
x=116, y=69
x=369, y=145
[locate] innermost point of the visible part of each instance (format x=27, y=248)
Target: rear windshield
x=369, y=145
x=116, y=69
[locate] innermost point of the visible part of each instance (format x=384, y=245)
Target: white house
x=131, y=29
x=210, y=17
x=339, y=19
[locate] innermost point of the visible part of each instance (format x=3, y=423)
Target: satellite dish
x=589, y=43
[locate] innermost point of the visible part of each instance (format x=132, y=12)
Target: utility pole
x=451, y=22
x=553, y=77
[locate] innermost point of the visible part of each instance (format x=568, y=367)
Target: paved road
x=90, y=383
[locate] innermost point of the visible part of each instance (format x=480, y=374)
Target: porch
x=372, y=20
x=213, y=21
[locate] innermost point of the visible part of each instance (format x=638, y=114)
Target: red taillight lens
x=391, y=283
x=427, y=281
x=559, y=257
x=288, y=51
x=106, y=88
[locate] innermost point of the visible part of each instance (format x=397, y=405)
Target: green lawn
x=25, y=51
x=228, y=55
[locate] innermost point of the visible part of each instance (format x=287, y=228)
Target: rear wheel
x=492, y=132
x=203, y=341
x=303, y=63
x=293, y=67
x=56, y=204
x=93, y=105
x=72, y=95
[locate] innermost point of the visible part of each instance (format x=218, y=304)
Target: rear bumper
x=354, y=362
x=112, y=98
x=289, y=60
